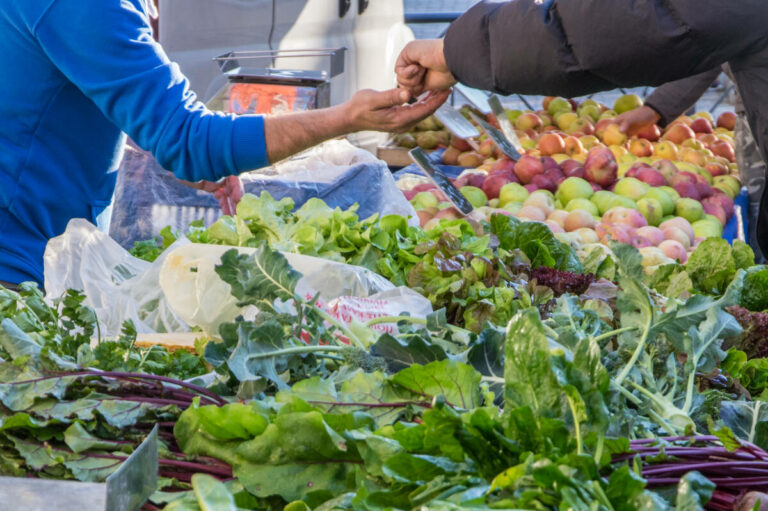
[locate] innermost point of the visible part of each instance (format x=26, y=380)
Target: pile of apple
x=428, y=134
x=662, y=192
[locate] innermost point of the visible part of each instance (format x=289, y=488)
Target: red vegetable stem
x=653, y=470
x=132, y=376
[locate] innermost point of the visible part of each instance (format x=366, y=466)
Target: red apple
x=651, y=133
x=688, y=190
x=470, y=159
x=651, y=176
x=600, y=166
x=701, y=125
x=716, y=169
x=461, y=144
x=727, y=120
x=492, y=185
x=527, y=167
x=724, y=149
x=477, y=180
x=678, y=133
x=576, y=172
x=722, y=200
x=715, y=210
x=568, y=164
x=544, y=182
x=551, y=143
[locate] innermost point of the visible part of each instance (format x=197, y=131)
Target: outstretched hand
x=421, y=67
x=635, y=120
x=389, y=111
x=228, y=192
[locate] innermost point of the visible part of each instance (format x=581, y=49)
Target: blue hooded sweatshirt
x=75, y=77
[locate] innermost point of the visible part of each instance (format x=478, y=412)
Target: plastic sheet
x=167, y=296
x=148, y=198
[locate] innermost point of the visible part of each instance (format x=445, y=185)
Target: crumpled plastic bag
x=117, y=285
x=181, y=289
x=201, y=298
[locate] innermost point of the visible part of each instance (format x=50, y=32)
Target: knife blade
x=435, y=175
x=506, y=126
x=498, y=138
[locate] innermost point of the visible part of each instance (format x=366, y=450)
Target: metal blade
x=441, y=181
x=506, y=126
x=456, y=123
x=498, y=138
x=477, y=98
x=129, y=487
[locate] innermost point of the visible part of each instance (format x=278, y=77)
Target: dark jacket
x=575, y=47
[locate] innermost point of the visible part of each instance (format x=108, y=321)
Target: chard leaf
x=211, y=494
x=747, y=420
x=258, y=279
x=458, y=383
x=80, y=440
x=529, y=380
x=486, y=355
x=297, y=454
x=402, y=353
x=693, y=492
x=628, y=260
x=16, y=342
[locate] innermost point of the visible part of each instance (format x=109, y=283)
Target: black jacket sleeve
x=574, y=47
x=674, y=98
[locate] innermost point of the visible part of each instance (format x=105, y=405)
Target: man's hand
x=388, y=111
x=635, y=120
x=421, y=67
x=228, y=192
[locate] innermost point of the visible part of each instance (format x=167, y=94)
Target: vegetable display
x=551, y=374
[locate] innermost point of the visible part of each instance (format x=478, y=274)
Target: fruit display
x=662, y=191
x=428, y=134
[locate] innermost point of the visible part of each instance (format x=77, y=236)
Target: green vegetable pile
x=542, y=381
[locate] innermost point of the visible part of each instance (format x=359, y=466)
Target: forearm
x=673, y=98
x=292, y=133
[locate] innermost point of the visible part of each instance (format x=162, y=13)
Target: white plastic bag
x=181, y=288
x=201, y=298
x=117, y=285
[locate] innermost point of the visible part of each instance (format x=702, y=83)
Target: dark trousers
x=8, y=285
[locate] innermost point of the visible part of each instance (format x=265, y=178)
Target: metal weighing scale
x=250, y=89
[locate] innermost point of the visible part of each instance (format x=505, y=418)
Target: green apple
x=591, y=111
x=474, y=195
x=690, y=209
x=512, y=115
x=512, y=206
x=631, y=188
x=424, y=200
x=667, y=203
x=652, y=210
x=608, y=114
x=671, y=192
x=444, y=205
x=558, y=105
x=620, y=201
x=627, y=102
x=584, y=205
x=512, y=192
x=574, y=188
x=601, y=199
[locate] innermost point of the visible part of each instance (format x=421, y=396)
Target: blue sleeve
x=105, y=47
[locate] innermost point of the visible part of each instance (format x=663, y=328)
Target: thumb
x=390, y=98
x=624, y=125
